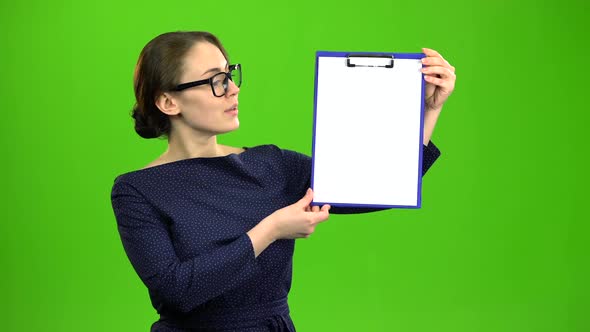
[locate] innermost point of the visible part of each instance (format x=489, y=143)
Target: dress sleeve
x=183, y=285
x=299, y=173
x=430, y=154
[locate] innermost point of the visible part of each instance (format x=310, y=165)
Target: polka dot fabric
x=183, y=227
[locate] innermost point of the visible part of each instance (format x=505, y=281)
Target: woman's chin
x=235, y=125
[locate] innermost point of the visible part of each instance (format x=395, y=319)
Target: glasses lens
x=219, y=83
x=236, y=75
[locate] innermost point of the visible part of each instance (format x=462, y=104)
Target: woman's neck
x=193, y=146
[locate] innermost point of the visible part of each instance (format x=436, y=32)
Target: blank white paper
x=367, y=142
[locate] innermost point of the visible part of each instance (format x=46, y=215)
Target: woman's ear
x=167, y=104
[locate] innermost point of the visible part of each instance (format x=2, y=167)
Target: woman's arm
x=262, y=235
x=430, y=118
x=181, y=284
x=291, y=222
x=440, y=79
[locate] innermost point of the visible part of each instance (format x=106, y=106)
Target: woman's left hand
x=440, y=79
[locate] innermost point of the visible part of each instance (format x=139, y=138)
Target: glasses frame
x=209, y=80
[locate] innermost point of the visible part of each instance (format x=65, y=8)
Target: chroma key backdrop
x=500, y=243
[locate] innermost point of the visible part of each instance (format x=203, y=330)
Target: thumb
x=306, y=200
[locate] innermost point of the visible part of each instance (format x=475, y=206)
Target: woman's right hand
x=298, y=220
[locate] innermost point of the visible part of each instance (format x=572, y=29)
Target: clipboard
x=368, y=129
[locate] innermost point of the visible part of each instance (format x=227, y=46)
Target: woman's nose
x=232, y=88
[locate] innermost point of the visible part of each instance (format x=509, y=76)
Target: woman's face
x=199, y=108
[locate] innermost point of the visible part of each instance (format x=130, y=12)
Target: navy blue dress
x=183, y=227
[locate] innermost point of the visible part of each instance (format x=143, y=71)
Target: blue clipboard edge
x=420, y=138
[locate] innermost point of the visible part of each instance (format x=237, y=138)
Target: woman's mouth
x=233, y=110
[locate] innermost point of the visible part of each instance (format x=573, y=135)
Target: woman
x=210, y=229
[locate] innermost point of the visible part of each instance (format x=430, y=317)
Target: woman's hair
x=158, y=70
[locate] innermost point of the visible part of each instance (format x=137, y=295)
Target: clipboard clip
x=369, y=60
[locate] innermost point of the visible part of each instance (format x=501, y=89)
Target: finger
x=430, y=52
x=308, y=208
x=446, y=85
x=306, y=200
x=320, y=216
x=444, y=72
x=448, y=65
x=326, y=207
x=434, y=61
x=315, y=208
x=437, y=62
x=436, y=58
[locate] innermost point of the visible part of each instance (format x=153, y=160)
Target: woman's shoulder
x=159, y=161
x=162, y=163
x=160, y=173
x=163, y=159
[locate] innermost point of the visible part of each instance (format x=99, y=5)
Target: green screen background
x=498, y=245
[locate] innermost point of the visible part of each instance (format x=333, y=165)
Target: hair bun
x=143, y=127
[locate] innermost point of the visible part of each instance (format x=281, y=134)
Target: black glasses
x=219, y=82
